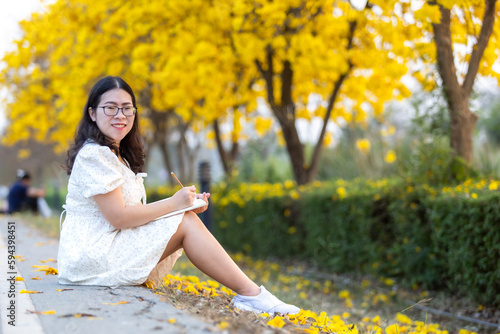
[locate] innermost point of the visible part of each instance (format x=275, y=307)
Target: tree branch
x=482, y=43
x=331, y=102
x=444, y=50
x=268, y=75
x=287, y=104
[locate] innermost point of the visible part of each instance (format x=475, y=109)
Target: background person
x=23, y=197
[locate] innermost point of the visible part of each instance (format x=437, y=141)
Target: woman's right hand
x=184, y=197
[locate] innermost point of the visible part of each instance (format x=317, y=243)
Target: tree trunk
x=160, y=123
x=457, y=96
x=284, y=111
x=165, y=156
x=181, y=147
x=462, y=130
x=295, y=151
x=228, y=159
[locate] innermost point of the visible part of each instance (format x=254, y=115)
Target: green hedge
x=436, y=239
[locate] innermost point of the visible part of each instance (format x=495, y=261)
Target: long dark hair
x=131, y=147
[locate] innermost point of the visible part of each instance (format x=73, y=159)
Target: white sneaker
x=265, y=302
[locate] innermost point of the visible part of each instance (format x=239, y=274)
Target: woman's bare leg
x=205, y=252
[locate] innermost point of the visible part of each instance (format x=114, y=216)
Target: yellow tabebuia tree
x=175, y=55
x=458, y=40
x=195, y=63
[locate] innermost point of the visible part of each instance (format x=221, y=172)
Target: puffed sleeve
x=97, y=170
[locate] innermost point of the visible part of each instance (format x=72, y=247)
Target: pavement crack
x=148, y=306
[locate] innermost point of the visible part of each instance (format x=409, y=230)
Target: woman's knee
x=191, y=221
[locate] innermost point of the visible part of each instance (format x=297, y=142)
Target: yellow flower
x=292, y=230
x=28, y=291
x=191, y=289
x=393, y=329
x=289, y=184
x=223, y=325
x=389, y=282
x=363, y=145
x=341, y=192
x=227, y=291
x=192, y=279
x=262, y=125
x=403, y=319
x=474, y=195
x=277, y=322
x=213, y=284
x=23, y=153
x=390, y=157
x=344, y=294
x=118, y=303
x=465, y=331
x=493, y=185
x=49, y=271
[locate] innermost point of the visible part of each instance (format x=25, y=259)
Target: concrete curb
x=145, y=311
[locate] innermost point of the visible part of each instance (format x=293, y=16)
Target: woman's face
x=114, y=127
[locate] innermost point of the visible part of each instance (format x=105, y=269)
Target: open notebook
x=198, y=203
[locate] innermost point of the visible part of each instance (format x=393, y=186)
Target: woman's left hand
x=205, y=197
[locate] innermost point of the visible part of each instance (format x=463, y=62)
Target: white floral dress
x=91, y=250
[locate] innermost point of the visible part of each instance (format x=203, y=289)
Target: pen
x=176, y=179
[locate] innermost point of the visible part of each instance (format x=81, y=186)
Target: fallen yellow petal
x=49, y=271
x=27, y=291
x=277, y=322
x=37, y=278
x=19, y=279
x=223, y=324
x=43, y=312
x=59, y=290
x=123, y=302
x=38, y=244
x=171, y=320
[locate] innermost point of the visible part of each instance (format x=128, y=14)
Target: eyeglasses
x=113, y=111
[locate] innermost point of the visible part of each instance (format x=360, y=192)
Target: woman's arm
x=120, y=216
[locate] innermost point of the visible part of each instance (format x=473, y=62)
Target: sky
x=11, y=12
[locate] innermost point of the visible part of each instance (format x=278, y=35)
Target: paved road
x=144, y=312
